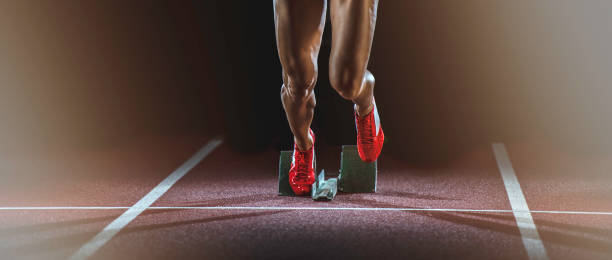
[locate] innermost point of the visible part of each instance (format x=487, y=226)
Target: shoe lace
x=303, y=166
x=367, y=131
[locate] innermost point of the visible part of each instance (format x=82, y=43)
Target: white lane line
x=114, y=227
x=312, y=208
x=335, y=209
x=531, y=239
x=572, y=212
x=61, y=208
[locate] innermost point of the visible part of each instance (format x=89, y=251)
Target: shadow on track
x=231, y=201
x=75, y=240
x=576, y=236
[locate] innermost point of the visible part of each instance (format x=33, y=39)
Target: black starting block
x=355, y=176
x=284, y=189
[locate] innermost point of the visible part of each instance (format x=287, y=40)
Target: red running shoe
x=370, y=136
x=302, y=171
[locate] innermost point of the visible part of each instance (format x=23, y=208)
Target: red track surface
x=119, y=176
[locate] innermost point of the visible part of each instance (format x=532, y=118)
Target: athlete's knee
x=348, y=81
x=299, y=86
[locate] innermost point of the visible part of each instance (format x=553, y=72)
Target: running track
x=194, y=198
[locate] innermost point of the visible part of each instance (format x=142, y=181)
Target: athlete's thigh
x=353, y=24
x=299, y=27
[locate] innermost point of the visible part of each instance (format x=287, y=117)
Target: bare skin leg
x=299, y=27
x=353, y=23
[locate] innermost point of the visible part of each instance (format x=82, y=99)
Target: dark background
x=449, y=74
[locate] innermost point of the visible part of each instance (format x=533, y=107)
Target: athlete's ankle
x=364, y=109
x=303, y=145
